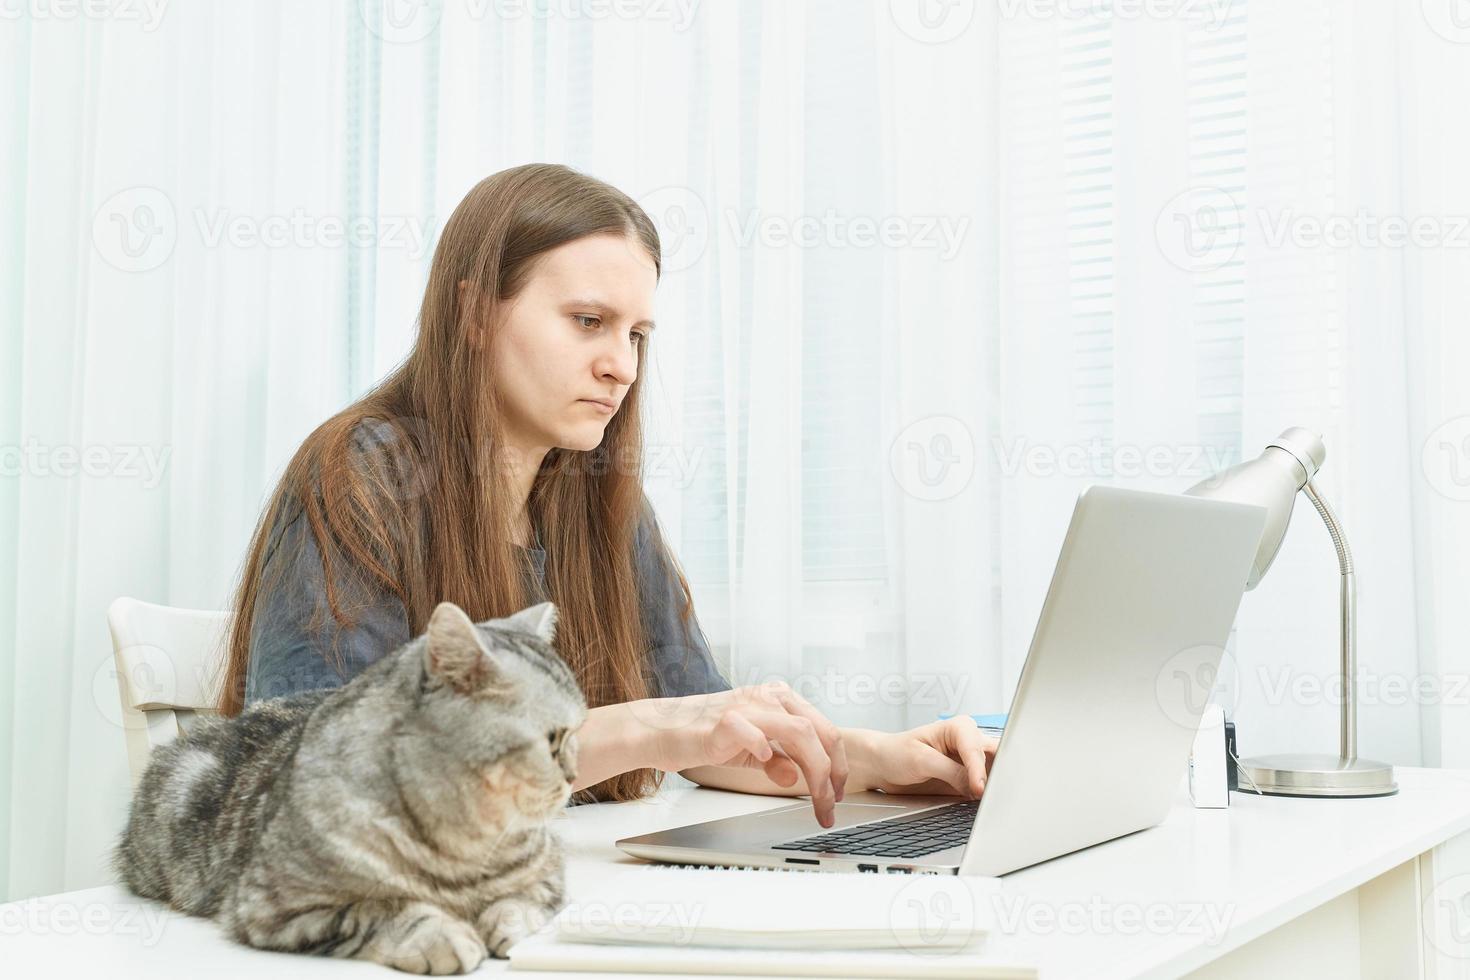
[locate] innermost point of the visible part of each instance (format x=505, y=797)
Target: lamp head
x=1271, y=480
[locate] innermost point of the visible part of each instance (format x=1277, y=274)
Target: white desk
x=1268, y=887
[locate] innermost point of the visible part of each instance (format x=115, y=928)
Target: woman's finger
x=734, y=738
x=969, y=743
x=934, y=764
x=781, y=770
x=798, y=737
x=829, y=734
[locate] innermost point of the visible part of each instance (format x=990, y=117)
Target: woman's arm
x=296, y=644
x=614, y=740
x=618, y=738
x=858, y=742
x=737, y=729
x=730, y=740
x=940, y=758
x=610, y=742
x=286, y=656
x=949, y=757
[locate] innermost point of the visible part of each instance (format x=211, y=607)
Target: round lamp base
x=1313, y=774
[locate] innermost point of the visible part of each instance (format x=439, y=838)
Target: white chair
x=170, y=666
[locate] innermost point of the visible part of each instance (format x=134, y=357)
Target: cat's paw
x=432, y=943
x=507, y=922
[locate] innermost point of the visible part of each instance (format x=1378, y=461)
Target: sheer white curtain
x=1204, y=241
x=174, y=325
x=925, y=280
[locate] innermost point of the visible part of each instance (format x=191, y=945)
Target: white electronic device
x=1208, y=779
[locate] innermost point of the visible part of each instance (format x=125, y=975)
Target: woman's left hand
x=952, y=756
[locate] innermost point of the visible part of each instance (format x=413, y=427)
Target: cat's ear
x=454, y=651
x=538, y=620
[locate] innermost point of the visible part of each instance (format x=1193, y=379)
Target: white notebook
x=665, y=919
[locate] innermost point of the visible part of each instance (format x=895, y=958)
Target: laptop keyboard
x=907, y=837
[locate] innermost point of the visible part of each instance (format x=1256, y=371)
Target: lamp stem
x=1348, y=629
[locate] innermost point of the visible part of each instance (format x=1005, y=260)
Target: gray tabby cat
x=403, y=818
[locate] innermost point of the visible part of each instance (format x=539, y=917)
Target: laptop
x=1100, y=727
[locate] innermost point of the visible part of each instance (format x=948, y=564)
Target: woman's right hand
x=767, y=726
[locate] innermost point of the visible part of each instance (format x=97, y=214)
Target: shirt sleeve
x=287, y=656
x=679, y=655
x=294, y=639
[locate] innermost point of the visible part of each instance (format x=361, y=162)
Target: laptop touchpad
x=843, y=815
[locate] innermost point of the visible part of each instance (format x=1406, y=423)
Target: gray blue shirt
x=286, y=657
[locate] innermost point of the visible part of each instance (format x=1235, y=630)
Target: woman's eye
x=589, y=322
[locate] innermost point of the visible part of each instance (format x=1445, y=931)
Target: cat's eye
x=555, y=736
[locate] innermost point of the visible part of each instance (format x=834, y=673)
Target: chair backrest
x=170, y=666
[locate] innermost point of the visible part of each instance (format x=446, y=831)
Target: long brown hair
x=436, y=525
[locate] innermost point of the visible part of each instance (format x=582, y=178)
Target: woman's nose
x=620, y=365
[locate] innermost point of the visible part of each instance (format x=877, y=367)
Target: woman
x=498, y=466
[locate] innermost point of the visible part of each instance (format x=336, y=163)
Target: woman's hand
x=767, y=738
x=767, y=727
x=949, y=756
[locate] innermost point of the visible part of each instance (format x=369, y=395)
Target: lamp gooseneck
x=1272, y=480
x=1348, y=723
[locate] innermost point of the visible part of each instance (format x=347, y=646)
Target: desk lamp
x=1272, y=481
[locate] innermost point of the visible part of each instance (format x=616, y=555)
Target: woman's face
x=571, y=338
